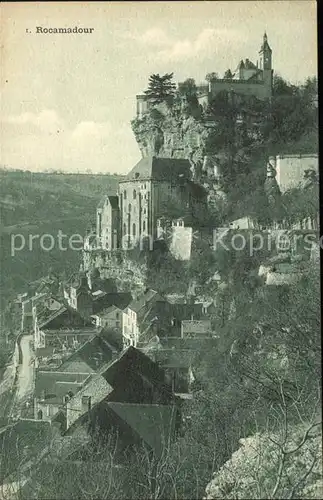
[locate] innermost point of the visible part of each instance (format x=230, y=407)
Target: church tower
x=265, y=64
x=265, y=54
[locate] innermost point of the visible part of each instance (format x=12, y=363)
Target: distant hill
x=44, y=203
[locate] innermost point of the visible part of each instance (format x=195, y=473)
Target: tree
x=211, y=76
x=160, y=88
x=228, y=75
x=188, y=88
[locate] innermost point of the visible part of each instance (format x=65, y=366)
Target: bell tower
x=265, y=65
x=265, y=55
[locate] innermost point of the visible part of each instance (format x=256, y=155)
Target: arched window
x=134, y=229
x=125, y=195
x=40, y=414
x=144, y=225
x=129, y=207
x=134, y=194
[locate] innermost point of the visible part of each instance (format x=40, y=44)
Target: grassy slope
x=39, y=203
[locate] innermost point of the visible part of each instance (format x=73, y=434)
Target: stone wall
x=257, y=89
x=291, y=169
x=97, y=389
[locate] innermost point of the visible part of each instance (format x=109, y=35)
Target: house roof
x=108, y=310
x=118, y=299
x=86, y=330
x=171, y=358
x=196, y=326
x=101, y=203
x=46, y=315
x=154, y=424
x=98, y=294
x=185, y=311
x=95, y=353
x=249, y=65
x=139, y=364
x=196, y=344
x=144, y=299
x=159, y=169
x=55, y=385
x=114, y=201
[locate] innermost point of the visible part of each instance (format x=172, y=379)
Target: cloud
x=91, y=130
x=47, y=121
x=206, y=43
x=97, y=146
x=153, y=37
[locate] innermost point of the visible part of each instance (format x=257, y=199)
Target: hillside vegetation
x=44, y=203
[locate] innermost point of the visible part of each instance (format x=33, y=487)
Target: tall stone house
x=154, y=188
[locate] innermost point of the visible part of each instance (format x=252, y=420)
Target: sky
x=67, y=99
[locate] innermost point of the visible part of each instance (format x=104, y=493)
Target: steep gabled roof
x=145, y=299
x=114, y=201
x=159, y=169
x=154, y=424
x=95, y=353
x=249, y=65
x=55, y=385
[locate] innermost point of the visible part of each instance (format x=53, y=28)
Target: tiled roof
x=159, y=169
x=134, y=360
x=95, y=353
x=55, y=385
x=119, y=299
x=114, y=201
x=249, y=65
x=46, y=315
x=143, y=300
x=102, y=202
x=86, y=330
x=195, y=344
x=196, y=326
x=154, y=424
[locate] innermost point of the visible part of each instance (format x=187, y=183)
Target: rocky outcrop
x=259, y=470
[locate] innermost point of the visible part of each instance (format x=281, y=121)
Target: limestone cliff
x=217, y=139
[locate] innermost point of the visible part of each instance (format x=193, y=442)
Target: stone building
x=292, y=170
x=248, y=79
x=154, y=188
x=107, y=223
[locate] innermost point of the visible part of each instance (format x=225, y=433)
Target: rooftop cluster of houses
x=105, y=360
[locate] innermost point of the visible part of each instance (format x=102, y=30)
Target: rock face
x=173, y=133
x=253, y=469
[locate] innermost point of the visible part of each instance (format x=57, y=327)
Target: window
x=134, y=195
x=117, y=315
x=86, y=402
x=129, y=207
x=144, y=225
x=134, y=229
x=124, y=228
x=125, y=195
